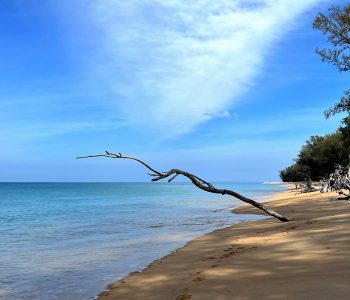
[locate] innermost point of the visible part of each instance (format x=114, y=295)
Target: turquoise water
x=69, y=240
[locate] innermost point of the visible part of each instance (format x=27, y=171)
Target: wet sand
x=307, y=258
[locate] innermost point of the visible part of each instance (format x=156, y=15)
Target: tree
x=336, y=26
x=321, y=153
x=345, y=132
x=338, y=181
x=295, y=173
x=317, y=158
x=198, y=182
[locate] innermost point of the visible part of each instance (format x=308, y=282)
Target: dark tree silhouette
x=198, y=182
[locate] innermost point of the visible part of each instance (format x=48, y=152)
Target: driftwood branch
x=198, y=182
x=338, y=181
x=307, y=186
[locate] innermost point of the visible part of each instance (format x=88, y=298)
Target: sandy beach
x=307, y=258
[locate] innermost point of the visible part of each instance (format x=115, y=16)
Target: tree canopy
x=336, y=26
x=320, y=154
x=317, y=158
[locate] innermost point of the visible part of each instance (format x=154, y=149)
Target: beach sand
x=307, y=258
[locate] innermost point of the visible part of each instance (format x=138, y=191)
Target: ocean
x=69, y=240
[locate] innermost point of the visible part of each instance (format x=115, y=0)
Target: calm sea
x=69, y=240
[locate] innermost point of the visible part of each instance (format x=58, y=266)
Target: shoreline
x=234, y=210
x=233, y=257
x=156, y=261
x=229, y=208
x=266, y=199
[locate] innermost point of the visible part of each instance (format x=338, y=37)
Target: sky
x=229, y=90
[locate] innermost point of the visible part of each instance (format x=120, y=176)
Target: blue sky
x=227, y=89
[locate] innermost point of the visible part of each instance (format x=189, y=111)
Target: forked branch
x=198, y=182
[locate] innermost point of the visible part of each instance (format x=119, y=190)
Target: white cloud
x=220, y=114
x=177, y=63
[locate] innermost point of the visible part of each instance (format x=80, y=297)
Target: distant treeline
x=318, y=157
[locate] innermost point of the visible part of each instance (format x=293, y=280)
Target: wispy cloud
x=174, y=64
x=49, y=129
x=220, y=114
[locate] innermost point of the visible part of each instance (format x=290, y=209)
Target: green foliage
x=342, y=106
x=295, y=173
x=336, y=26
x=317, y=158
x=345, y=132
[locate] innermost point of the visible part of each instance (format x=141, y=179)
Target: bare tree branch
x=172, y=178
x=198, y=182
x=111, y=155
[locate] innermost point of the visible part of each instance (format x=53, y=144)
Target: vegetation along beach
x=175, y=150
